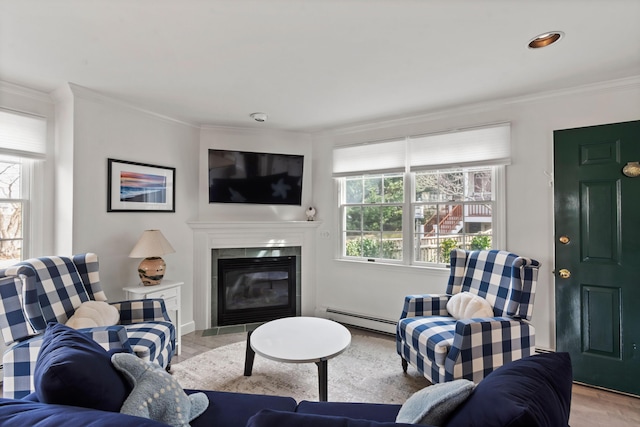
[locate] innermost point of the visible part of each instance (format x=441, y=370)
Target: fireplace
x=256, y=289
x=214, y=240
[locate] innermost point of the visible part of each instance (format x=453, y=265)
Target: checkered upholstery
x=443, y=348
x=13, y=323
x=50, y=289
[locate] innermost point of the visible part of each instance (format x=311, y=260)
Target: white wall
x=377, y=290
x=97, y=128
x=103, y=128
x=259, y=140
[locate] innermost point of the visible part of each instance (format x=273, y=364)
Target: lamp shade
x=152, y=243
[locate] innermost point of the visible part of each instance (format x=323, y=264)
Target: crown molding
x=252, y=130
x=16, y=89
x=92, y=95
x=610, y=85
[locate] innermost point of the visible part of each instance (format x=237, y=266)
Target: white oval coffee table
x=299, y=340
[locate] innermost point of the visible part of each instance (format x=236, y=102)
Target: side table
x=169, y=291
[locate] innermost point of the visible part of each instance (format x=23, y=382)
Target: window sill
x=390, y=265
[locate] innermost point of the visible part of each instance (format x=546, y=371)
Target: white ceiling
x=313, y=64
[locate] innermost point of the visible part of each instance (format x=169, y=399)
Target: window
x=22, y=143
x=372, y=212
x=422, y=196
x=452, y=211
x=12, y=208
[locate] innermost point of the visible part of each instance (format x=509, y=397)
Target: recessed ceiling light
x=545, y=39
x=259, y=117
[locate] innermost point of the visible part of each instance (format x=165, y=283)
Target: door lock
x=564, y=273
x=564, y=239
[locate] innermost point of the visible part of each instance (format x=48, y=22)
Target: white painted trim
x=92, y=95
x=250, y=130
x=25, y=92
x=188, y=327
x=620, y=84
x=208, y=235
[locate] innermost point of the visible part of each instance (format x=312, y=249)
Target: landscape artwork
x=140, y=187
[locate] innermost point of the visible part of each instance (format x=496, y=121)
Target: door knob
x=564, y=273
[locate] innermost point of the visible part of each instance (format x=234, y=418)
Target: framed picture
x=139, y=187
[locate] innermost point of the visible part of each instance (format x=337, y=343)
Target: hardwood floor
x=590, y=407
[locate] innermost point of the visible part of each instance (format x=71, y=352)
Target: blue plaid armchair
x=443, y=348
x=38, y=291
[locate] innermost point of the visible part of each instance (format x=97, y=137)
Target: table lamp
x=151, y=246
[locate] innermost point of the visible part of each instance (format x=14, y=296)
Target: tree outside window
x=372, y=212
x=11, y=212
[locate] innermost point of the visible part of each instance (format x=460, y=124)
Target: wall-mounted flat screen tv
x=248, y=177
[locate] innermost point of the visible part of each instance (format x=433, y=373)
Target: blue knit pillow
x=156, y=394
x=432, y=405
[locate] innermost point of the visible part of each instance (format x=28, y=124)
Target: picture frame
x=140, y=187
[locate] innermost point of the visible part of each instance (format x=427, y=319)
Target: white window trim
x=31, y=149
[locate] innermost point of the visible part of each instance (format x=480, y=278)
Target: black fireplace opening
x=256, y=289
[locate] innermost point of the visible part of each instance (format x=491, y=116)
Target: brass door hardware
x=564, y=273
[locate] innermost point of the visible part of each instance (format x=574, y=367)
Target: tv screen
x=248, y=177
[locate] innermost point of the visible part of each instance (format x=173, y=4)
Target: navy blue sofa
x=534, y=391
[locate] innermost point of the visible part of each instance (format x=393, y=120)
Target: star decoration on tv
x=280, y=189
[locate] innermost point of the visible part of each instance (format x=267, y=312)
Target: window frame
x=343, y=205
x=498, y=203
x=489, y=147
x=27, y=168
x=32, y=149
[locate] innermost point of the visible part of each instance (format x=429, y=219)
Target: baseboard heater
x=362, y=320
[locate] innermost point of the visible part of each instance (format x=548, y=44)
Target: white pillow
x=466, y=305
x=94, y=313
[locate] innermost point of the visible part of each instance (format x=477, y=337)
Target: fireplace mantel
x=208, y=235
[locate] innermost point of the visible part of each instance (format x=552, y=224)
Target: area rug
x=368, y=371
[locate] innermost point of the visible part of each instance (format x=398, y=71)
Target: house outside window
x=22, y=146
x=422, y=196
x=452, y=211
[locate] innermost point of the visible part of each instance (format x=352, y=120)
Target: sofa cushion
x=72, y=369
x=234, y=409
x=533, y=391
x=434, y=404
x=270, y=418
x=21, y=413
x=368, y=411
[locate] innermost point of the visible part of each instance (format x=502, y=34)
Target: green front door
x=597, y=254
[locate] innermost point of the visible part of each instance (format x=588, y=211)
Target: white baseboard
x=188, y=327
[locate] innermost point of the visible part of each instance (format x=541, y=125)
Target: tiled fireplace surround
x=217, y=235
